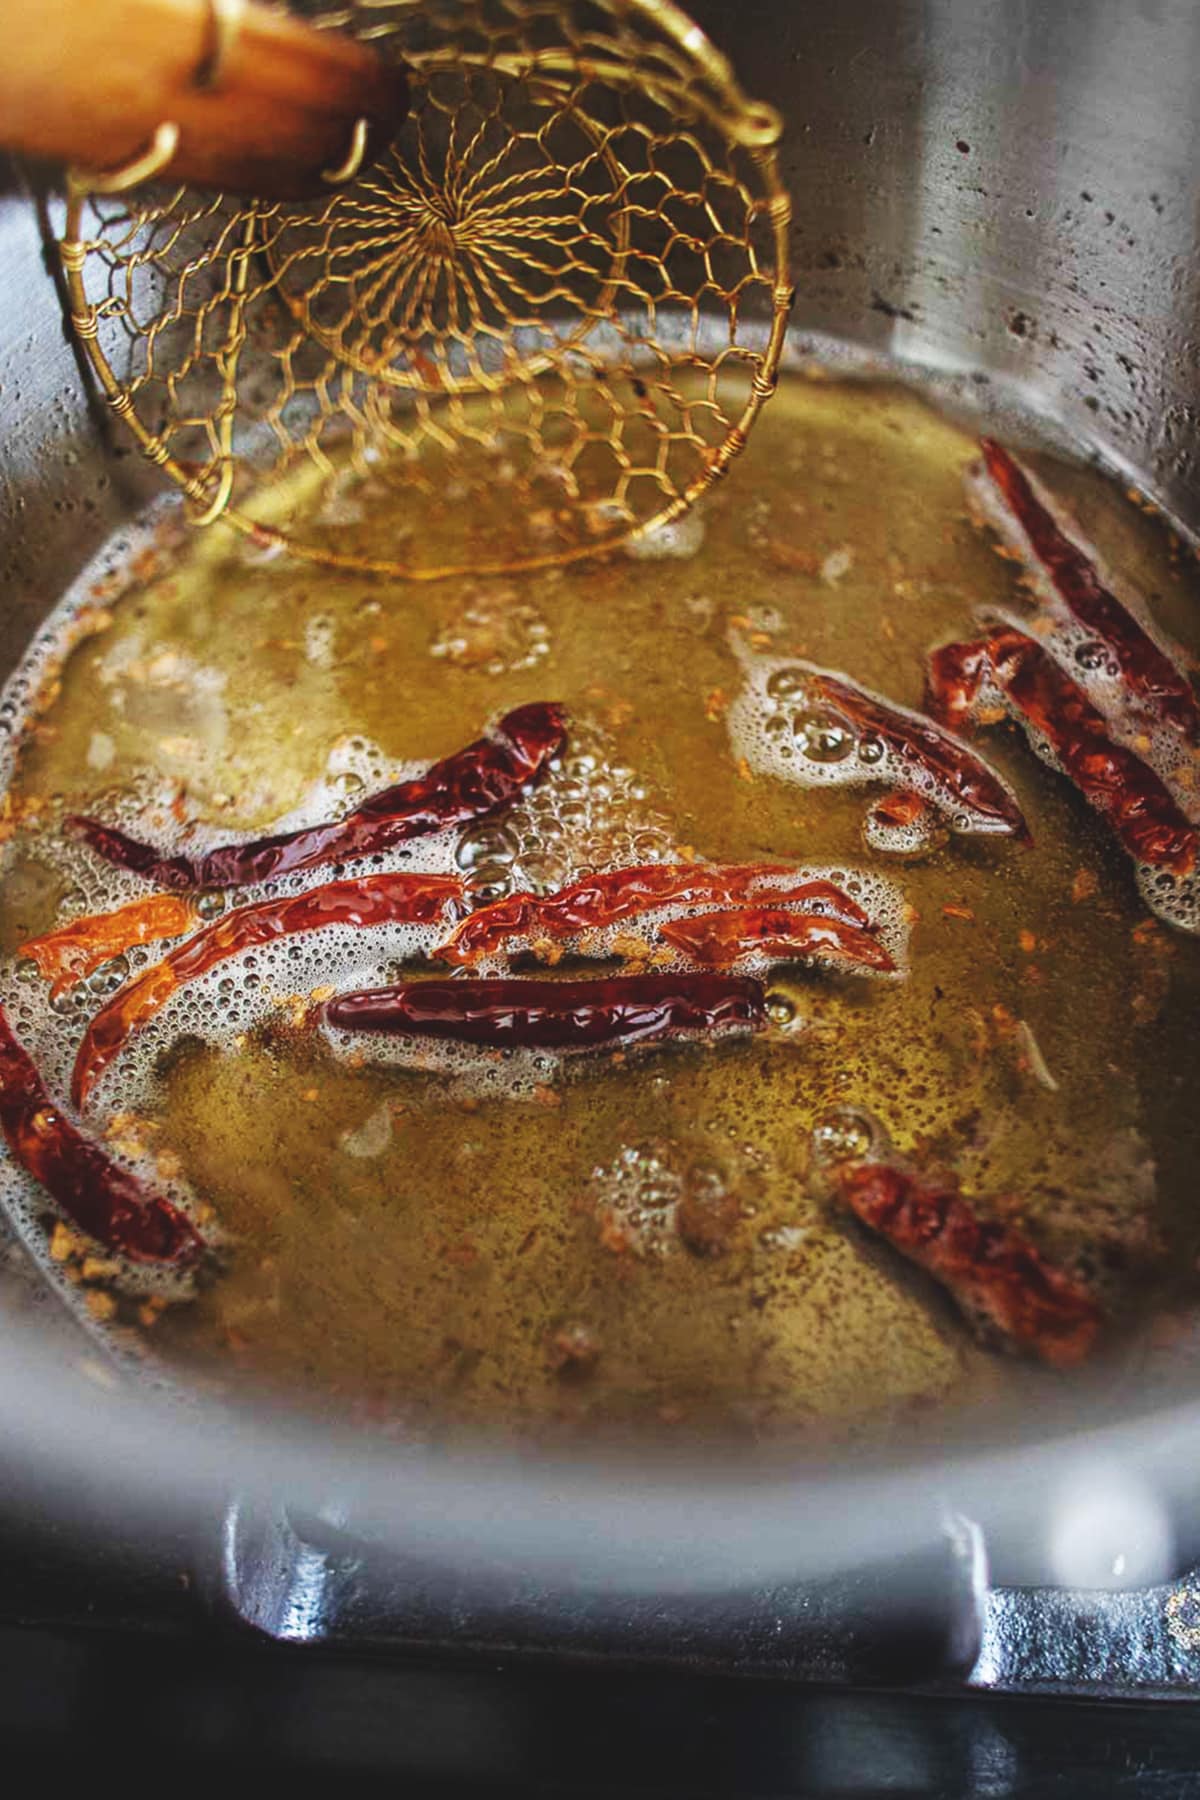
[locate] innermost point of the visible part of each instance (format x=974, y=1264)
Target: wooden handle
x=262, y=103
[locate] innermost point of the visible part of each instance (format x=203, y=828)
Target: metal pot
x=1002, y=191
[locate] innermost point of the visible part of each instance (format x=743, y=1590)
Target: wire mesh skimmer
x=541, y=322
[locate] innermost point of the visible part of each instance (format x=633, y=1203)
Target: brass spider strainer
x=548, y=314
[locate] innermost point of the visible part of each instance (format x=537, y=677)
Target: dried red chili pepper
x=597, y=901
x=1027, y=519
x=472, y=782
x=721, y=938
x=817, y=728
x=556, y=1015
x=1069, y=730
x=97, y=1194
x=369, y=900
x=65, y=956
x=917, y=754
x=990, y=1269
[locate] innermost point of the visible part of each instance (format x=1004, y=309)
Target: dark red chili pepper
x=921, y=755
x=721, y=938
x=487, y=774
x=1137, y=804
x=370, y=900
x=991, y=1270
x=556, y=1015
x=1149, y=673
x=597, y=901
x=96, y=1194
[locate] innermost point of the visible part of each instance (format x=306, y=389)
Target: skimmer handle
x=220, y=94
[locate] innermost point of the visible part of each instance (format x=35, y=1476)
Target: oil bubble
x=780, y=1010
x=1091, y=656
x=487, y=845
x=785, y=684
x=542, y=874
x=491, y=881
x=823, y=736
x=109, y=976
x=67, y=1004
x=843, y=1134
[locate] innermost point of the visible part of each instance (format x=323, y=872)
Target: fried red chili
x=1137, y=804
x=992, y=1271
x=475, y=781
x=923, y=757
x=721, y=938
x=69, y=954
x=370, y=900
x=597, y=901
x=1149, y=674
x=556, y=1015
x=97, y=1194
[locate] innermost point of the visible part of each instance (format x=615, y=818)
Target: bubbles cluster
x=588, y=812
x=651, y=1199
x=636, y=1197
x=781, y=725
x=494, y=630
x=1175, y=898
x=242, y=993
x=108, y=573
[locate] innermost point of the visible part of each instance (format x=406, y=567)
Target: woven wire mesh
x=542, y=321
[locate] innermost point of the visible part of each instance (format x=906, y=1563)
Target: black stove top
x=297, y=1650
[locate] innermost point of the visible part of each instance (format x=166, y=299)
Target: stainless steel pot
x=1005, y=192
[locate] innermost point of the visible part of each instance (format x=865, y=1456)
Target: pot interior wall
x=993, y=187
x=998, y=189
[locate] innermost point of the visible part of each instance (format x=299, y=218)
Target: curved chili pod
x=370, y=900
x=487, y=774
x=600, y=900
x=556, y=1015
x=991, y=1270
x=99, y=1195
x=1029, y=523
x=922, y=756
x=722, y=938
x=815, y=727
x=1137, y=804
x=69, y=954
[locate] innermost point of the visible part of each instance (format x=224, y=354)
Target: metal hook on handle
x=347, y=170
x=151, y=162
